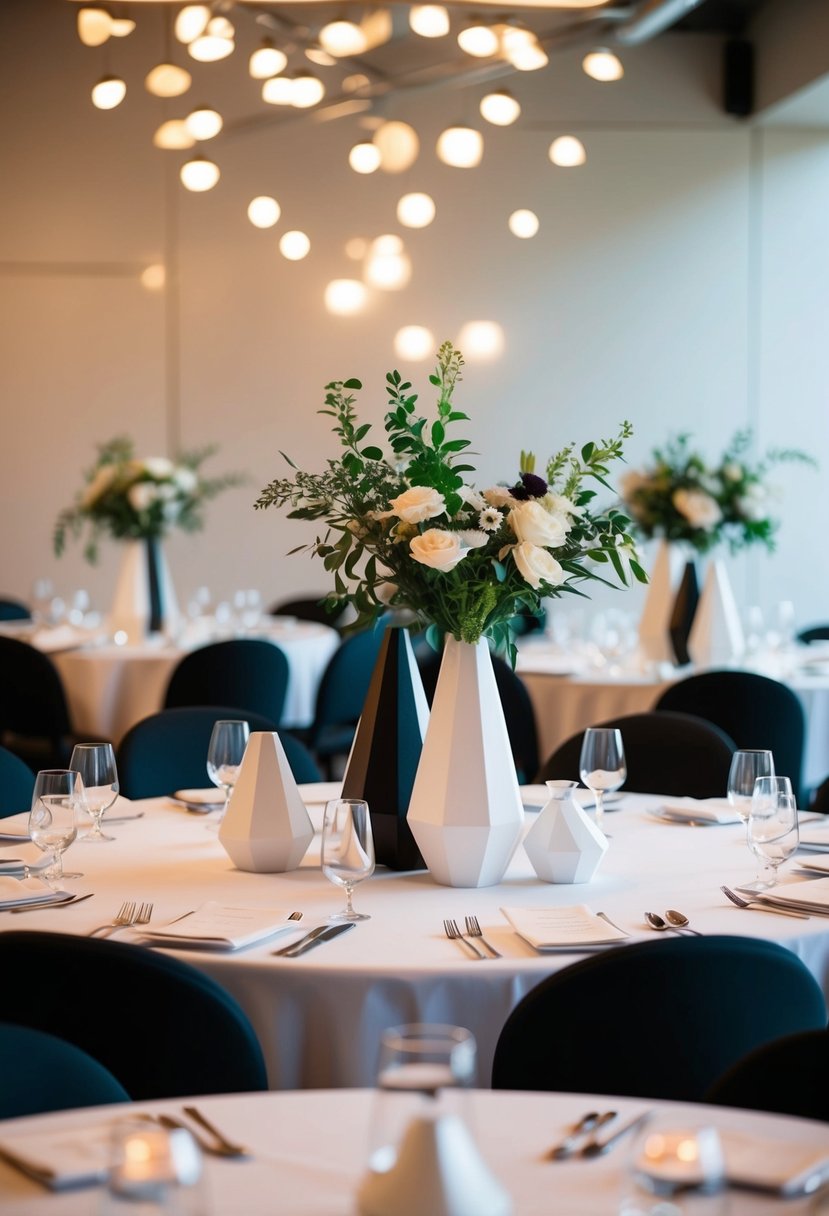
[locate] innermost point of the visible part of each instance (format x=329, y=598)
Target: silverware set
x=674, y=922
x=471, y=938
x=215, y=1142
x=583, y=1139
x=129, y=914
x=790, y=908
x=324, y=933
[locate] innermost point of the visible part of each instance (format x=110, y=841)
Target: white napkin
x=16, y=892
x=787, y=1168
x=27, y=855
x=813, y=893
x=216, y=926
x=59, y=1160
x=697, y=810
x=570, y=928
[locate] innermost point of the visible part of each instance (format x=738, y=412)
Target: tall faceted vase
x=386, y=750
x=466, y=813
x=682, y=613
x=144, y=601
x=717, y=634
x=655, y=643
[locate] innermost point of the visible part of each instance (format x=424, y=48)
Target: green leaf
x=638, y=573
x=352, y=384
x=372, y=453
x=456, y=445
x=587, y=451
x=435, y=380
x=438, y=434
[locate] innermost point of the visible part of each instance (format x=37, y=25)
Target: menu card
x=72, y=1157
x=216, y=926
x=787, y=1168
x=569, y=928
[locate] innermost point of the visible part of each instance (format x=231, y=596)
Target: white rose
x=557, y=504
x=142, y=495
x=186, y=479
x=438, y=549
x=699, y=508
x=498, y=496
x=732, y=471
x=472, y=498
x=418, y=504
x=530, y=522
x=537, y=566
x=753, y=504
x=99, y=485
x=473, y=538
x=158, y=467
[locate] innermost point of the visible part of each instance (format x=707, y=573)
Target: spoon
x=680, y=921
x=656, y=922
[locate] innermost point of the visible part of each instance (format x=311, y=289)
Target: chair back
x=658, y=1019
x=17, y=784
x=309, y=608
x=789, y=1076
x=666, y=753
x=815, y=633
x=32, y=700
x=42, y=1073
x=248, y=673
x=161, y=1027
x=14, y=610
x=342, y=692
x=754, y=710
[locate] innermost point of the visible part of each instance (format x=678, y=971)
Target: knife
x=51, y=903
x=326, y=935
x=309, y=937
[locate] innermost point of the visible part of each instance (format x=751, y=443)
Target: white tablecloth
x=319, y=1017
x=308, y=1153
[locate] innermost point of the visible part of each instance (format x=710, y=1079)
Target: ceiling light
x=416, y=210
x=167, y=80
x=267, y=61
x=567, y=152
x=173, y=135
x=342, y=38
x=523, y=224
x=398, y=144
x=278, y=91
x=109, y=92
x=120, y=27
x=429, y=20
x=345, y=297
x=387, y=267
x=191, y=22
x=199, y=174
x=356, y=248
x=355, y=82
x=264, y=211
x=414, y=342
x=500, y=108
x=306, y=90
x=377, y=27
x=529, y=58
x=481, y=340
x=204, y=123
x=478, y=40
x=320, y=57
x=388, y=244
x=603, y=65
x=210, y=49
x=94, y=26
x=364, y=158
x=220, y=27
x=461, y=147
x=294, y=246
x=154, y=277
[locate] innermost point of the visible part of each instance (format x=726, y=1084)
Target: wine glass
x=64, y=781
x=52, y=822
x=773, y=828
x=96, y=764
x=347, y=849
x=224, y=755
x=602, y=765
x=746, y=766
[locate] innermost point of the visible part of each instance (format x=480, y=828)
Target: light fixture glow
x=94, y=26
x=294, y=246
x=204, y=123
x=389, y=244
x=364, y=158
x=461, y=147
x=173, y=135
x=345, y=297
x=264, y=211
x=342, y=38
x=120, y=27
x=267, y=61
x=167, y=80
x=523, y=224
x=320, y=57
x=109, y=92
x=191, y=22
x=529, y=58
x=414, y=342
x=603, y=65
x=481, y=340
x=500, y=108
x=199, y=174
x=306, y=90
x=429, y=20
x=220, y=27
x=154, y=277
x=478, y=40
x=386, y=270
x=210, y=49
x=416, y=210
x=355, y=82
x=278, y=91
x=567, y=152
x=398, y=144
x=356, y=248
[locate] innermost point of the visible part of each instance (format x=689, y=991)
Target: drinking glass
x=224, y=755
x=96, y=764
x=746, y=766
x=52, y=820
x=347, y=849
x=674, y=1170
x=62, y=781
x=773, y=829
x=602, y=765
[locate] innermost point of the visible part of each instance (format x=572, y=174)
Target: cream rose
x=417, y=504
x=436, y=548
x=99, y=485
x=158, y=467
x=537, y=566
x=186, y=479
x=697, y=507
x=558, y=504
x=498, y=496
x=530, y=522
x=142, y=495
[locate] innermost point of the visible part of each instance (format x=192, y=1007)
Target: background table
x=319, y=1017
x=310, y=1149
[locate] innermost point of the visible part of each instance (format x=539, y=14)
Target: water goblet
x=96, y=764
x=228, y=741
x=602, y=765
x=773, y=828
x=746, y=766
x=64, y=781
x=53, y=827
x=347, y=849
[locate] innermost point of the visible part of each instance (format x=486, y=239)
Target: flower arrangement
x=132, y=498
x=410, y=532
x=681, y=498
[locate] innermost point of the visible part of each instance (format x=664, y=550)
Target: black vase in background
x=682, y=615
x=154, y=585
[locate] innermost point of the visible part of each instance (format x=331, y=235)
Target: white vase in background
x=144, y=600
x=465, y=811
x=655, y=645
x=564, y=845
x=266, y=828
x=716, y=636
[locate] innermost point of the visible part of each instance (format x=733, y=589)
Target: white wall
x=678, y=280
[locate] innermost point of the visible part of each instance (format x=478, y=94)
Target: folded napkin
x=697, y=810
x=200, y=800
x=817, y=865
x=535, y=797
x=60, y=1160
x=27, y=856
x=785, y=1167
x=59, y=637
x=17, y=892
x=569, y=928
x=216, y=926
x=815, y=837
x=812, y=895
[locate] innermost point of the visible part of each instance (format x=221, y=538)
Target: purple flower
x=530, y=486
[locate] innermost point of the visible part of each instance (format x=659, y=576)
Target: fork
x=453, y=932
x=230, y=1147
x=142, y=916
x=124, y=918
x=757, y=906
x=473, y=929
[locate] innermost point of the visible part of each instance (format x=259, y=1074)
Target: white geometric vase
x=655, y=644
x=465, y=811
x=144, y=600
x=716, y=636
x=266, y=828
x=564, y=845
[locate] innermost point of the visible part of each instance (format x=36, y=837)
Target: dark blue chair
x=815, y=633
x=657, y=1019
x=42, y=1073
x=14, y=610
x=789, y=1076
x=17, y=784
x=310, y=609
x=341, y=695
x=248, y=673
x=34, y=715
x=161, y=1027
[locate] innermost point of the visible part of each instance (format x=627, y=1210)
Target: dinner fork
x=123, y=919
x=142, y=916
x=757, y=906
x=473, y=929
x=453, y=932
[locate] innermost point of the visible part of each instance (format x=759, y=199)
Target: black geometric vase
x=386, y=750
x=682, y=615
x=155, y=585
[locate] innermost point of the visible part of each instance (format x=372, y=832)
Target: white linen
x=557, y=928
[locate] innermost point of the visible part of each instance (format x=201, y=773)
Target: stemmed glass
x=96, y=764
x=62, y=781
x=773, y=828
x=602, y=766
x=52, y=822
x=224, y=755
x=347, y=849
x=746, y=766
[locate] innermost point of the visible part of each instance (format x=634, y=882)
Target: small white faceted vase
x=465, y=811
x=564, y=845
x=655, y=644
x=266, y=828
x=716, y=635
